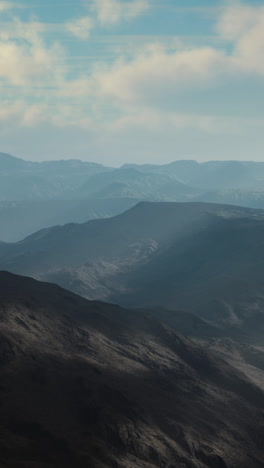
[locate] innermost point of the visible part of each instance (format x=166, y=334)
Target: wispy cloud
x=4, y=6
x=30, y=60
x=131, y=91
x=81, y=27
x=157, y=73
x=143, y=73
x=113, y=11
x=106, y=13
x=244, y=26
x=19, y=66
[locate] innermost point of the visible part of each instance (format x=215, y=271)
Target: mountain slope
x=146, y=226
x=90, y=384
x=19, y=219
x=217, y=273
x=129, y=182
x=143, y=227
x=26, y=180
x=206, y=259
x=10, y=163
x=211, y=175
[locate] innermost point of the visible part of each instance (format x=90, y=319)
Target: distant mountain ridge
x=219, y=175
x=26, y=180
x=47, y=191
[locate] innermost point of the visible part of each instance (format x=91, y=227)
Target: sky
x=139, y=81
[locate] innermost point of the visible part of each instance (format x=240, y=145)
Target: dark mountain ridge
x=91, y=384
x=119, y=236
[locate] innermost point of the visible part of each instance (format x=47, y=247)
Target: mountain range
x=91, y=384
x=205, y=259
x=140, y=340
x=36, y=195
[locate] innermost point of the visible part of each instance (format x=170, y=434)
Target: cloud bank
x=142, y=89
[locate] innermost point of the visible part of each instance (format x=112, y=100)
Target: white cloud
x=31, y=31
x=237, y=20
x=4, y=6
x=135, y=89
x=24, y=65
x=160, y=72
x=244, y=26
x=81, y=27
x=157, y=122
x=114, y=11
x=106, y=12
x=25, y=59
x=60, y=115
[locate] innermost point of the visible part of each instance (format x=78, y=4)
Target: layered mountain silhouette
x=26, y=180
x=204, y=259
x=131, y=182
x=91, y=384
x=216, y=175
x=61, y=179
x=110, y=379
x=37, y=195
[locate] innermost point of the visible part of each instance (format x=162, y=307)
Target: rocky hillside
x=205, y=259
x=91, y=384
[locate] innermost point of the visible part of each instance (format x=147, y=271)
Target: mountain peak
x=7, y=161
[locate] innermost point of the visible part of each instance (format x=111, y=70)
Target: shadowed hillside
x=203, y=258
x=90, y=384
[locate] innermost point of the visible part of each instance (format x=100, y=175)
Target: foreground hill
x=203, y=258
x=90, y=384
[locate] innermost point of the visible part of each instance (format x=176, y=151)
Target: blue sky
x=119, y=81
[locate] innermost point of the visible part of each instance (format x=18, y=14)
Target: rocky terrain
x=167, y=372
x=205, y=259
x=91, y=384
